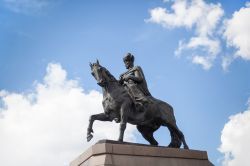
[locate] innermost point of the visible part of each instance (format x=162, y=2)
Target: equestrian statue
x=128, y=100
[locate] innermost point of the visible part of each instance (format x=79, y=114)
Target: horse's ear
x=97, y=62
x=90, y=64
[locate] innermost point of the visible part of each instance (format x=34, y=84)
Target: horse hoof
x=117, y=120
x=174, y=145
x=89, y=137
x=170, y=146
x=90, y=130
x=186, y=147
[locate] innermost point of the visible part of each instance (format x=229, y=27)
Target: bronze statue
x=129, y=101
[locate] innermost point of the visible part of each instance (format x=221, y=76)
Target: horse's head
x=101, y=74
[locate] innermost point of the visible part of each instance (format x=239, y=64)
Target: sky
x=195, y=55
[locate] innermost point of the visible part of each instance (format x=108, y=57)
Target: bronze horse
x=119, y=106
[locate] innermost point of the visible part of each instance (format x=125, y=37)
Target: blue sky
x=204, y=94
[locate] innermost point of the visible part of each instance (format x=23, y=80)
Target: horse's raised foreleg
x=124, y=116
x=101, y=117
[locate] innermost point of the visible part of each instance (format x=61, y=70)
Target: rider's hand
x=127, y=77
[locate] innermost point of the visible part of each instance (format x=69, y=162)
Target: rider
x=134, y=81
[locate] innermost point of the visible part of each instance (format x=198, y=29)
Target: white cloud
x=204, y=20
x=205, y=62
x=26, y=6
x=193, y=14
x=188, y=14
x=48, y=126
x=226, y=61
x=237, y=33
x=211, y=46
x=235, y=138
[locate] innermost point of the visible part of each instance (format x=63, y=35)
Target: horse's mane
x=109, y=74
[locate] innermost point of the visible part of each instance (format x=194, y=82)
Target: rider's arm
x=137, y=77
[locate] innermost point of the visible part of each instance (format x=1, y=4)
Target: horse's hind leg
x=147, y=133
x=178, y=133
x=175, y=140
x=183, y=139
x=177, y=136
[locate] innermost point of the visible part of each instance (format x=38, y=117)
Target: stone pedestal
x=113, y=153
